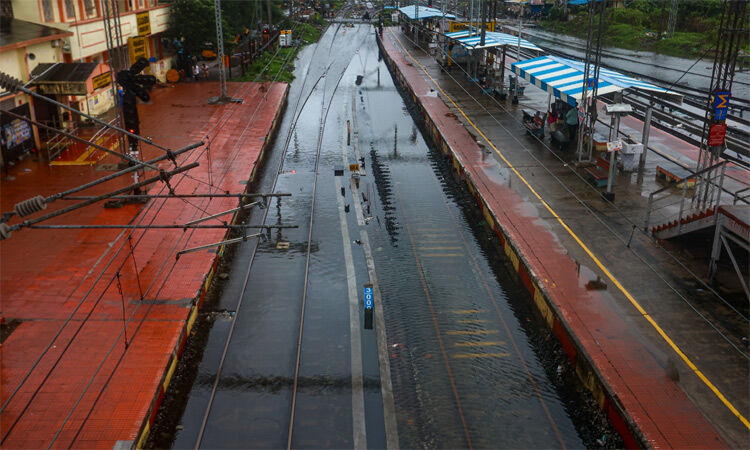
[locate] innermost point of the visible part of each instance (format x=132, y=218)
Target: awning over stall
x=491, y=39
x=564, y=79
x=70, y=78
x=424, y=12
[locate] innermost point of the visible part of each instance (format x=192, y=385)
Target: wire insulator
x=4, y=231
x=9, y=83
x=30, y=206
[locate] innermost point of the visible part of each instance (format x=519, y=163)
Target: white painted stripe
x=381, y=338
x=355, y=337
x=567, y=80
x=558, y=73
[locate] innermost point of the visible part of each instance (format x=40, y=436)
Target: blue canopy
x=423, y=13
x=491, y=39
x=579, y=2
x=564, y=79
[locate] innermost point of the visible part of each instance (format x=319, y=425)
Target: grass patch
x=683, y=44
x=274, y=71
x=277, y=69
x=637, y=27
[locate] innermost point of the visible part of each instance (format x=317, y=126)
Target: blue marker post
x=721, y=105
x=369, y=304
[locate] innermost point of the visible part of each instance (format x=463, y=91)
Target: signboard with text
x=101, y=80
x=138, y=48
x=716, y=134
x=458, y=26
x=144, y=23
x=369, y=302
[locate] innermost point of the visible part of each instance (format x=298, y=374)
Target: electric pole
x=729, y=40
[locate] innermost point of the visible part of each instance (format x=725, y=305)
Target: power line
x=608, y=227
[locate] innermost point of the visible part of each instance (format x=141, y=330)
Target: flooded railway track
x=287, y=362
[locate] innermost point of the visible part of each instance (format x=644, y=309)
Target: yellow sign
x=458, y=26
x=354, y=167
x=144, y=23
x=102, y=80
x=138, y=48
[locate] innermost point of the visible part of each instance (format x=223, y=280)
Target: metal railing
x=710, y=175
x=740, y=196
x=59, y=143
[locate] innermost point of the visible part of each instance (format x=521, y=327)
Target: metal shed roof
x=492, y=39
x=424, y=12
x=564, y=79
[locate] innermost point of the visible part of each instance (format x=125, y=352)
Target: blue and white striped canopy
x=424, y=12
x=491, y=39
x=564, y=79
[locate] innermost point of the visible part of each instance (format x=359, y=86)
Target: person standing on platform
x=571, y=119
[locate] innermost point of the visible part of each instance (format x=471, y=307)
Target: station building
x=59, y=47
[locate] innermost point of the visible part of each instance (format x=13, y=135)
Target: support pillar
x=644, y=138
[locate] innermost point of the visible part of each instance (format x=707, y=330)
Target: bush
x=557, y=14
x=633, y=17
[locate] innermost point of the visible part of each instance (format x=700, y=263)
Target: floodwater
x=465, y=371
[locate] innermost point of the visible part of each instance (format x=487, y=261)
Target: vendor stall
x=462, y=45
x=564, y=79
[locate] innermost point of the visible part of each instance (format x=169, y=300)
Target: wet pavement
x=450, y=362
x=591, y=233
x=102, y=314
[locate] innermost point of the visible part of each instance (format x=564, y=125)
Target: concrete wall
x=88, y=38
x=11, y=64
x=43, y=53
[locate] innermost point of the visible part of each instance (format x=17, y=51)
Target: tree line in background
x=192, y=22
x=641, y=25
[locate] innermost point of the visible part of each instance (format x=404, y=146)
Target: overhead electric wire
x=607, y=226
x=44, y=352
x=116, y=254
x=238, y=308
x=226, y=168
x=626, y=217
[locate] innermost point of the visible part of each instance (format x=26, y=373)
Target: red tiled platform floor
x=70, y=379
x=654, y=405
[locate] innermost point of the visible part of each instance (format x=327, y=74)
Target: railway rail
x=298, y=108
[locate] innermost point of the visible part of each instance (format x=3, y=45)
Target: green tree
x=193, y=23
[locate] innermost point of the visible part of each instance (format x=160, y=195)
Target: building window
x=49, y=13
x=6, y=8
x=90, y=7
x=70, y=10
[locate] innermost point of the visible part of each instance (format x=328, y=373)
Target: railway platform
x=661, y=352
x=95, y=319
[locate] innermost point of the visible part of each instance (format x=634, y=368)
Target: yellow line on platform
x=479, y=344
x=441, y=255
x=588, y=251
x=470, y=332
x=472, y=321
x=480, y=355
x=467, y=311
